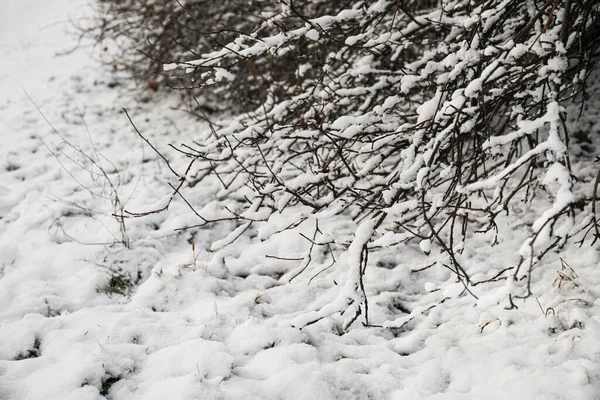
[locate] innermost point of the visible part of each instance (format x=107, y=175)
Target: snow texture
x=84, y=317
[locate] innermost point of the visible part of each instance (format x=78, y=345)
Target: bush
x=149, y=33
x=418, y=119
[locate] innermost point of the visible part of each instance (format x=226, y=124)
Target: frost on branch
x=142, y=37
x=418, y=120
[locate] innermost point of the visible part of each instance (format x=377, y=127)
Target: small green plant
x=107, y=382
x=119, y=283
x=34, y=352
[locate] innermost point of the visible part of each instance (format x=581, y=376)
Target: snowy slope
x=82, y=316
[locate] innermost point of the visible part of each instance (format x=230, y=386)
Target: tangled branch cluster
x=418, y=119
x=161, y=31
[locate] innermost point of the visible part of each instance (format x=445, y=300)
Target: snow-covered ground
x=82, y=316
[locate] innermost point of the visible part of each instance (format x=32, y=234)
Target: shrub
x=418, y=119
x=149, y=33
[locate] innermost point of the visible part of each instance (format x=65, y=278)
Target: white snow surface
x=193, y=324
